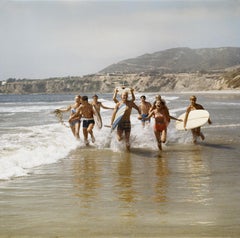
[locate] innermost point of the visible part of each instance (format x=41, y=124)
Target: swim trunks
x=124, y=126
x=87, y=122
x=144, y=116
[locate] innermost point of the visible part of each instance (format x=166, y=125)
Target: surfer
x=196, y=132
x=74, y=124
x=124, y=126
x=86, y=112
x=162, y=119
x=116, y=92
x=98, y=104
x=144, y=107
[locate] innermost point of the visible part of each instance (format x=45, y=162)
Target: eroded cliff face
x=181, y=82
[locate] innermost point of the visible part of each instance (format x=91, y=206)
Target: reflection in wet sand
x=126, y=192
x=162, y=173
x=87, y=179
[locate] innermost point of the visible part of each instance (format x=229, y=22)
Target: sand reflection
x=161, y=184
x=87, y=179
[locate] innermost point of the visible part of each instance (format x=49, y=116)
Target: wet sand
x=185, y=191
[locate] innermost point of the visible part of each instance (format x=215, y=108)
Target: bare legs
x=196, y=132
x=86, y=131
x=75, y=130
x=127, y=138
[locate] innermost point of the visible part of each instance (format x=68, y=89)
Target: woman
x=74, y=124
x=162, y=119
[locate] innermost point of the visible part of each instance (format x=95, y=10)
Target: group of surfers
x=84, y=111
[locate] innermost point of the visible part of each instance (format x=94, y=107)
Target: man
x=124, y=125
x=98, y=104
x=86, y=112
x=144, y=108
x=196, y=132
x=123, y=88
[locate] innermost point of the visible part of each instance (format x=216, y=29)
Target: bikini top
x=159, y=118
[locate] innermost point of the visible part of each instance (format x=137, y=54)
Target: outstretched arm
x=174, y=118
x=64, y=109
x=101, y=105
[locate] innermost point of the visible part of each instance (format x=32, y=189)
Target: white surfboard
x=120, y=112
x=97, y=118
x=196, y=118
x=122, y=89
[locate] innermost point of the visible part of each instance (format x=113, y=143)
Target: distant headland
x=172, y=70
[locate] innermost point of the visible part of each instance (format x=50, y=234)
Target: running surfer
x=124, y=125
x=86, y=112
x=196, y=132
x=144, y=107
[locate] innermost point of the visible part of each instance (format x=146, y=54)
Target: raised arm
x=115, y=95
x=133, y=95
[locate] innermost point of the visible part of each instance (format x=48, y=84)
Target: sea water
x=54, y=186
x=31, y=135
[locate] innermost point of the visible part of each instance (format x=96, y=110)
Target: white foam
x=40, y=145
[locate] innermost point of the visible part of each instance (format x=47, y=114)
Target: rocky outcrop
x=144, y=82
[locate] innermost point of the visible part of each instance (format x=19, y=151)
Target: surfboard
x=196, y=118
x=97, y=117
x=120, y=112
x=122, y=89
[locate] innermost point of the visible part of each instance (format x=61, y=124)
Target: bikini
x=160, y=123
x=73, y=123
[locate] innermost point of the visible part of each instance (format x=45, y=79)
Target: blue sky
x=41, y=39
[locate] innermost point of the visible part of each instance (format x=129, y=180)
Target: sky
x=50, y=38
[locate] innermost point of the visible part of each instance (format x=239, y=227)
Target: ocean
x=54, y=186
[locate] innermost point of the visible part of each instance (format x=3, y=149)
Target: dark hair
x=85, y=98
x=143, y=96
x=95, y=96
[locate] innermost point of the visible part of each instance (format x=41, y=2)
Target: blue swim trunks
x=144, y=116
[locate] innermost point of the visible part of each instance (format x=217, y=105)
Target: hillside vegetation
x=180, y=69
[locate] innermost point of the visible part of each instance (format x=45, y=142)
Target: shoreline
x=224, y=91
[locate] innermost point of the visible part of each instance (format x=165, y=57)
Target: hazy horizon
x=43, y=39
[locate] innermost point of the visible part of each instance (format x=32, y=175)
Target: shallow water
x=101, y=191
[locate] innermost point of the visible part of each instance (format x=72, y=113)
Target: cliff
x=178, y=69
x=144, y=82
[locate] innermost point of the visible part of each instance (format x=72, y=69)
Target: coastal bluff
x=172, y=70
x=141, y=82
